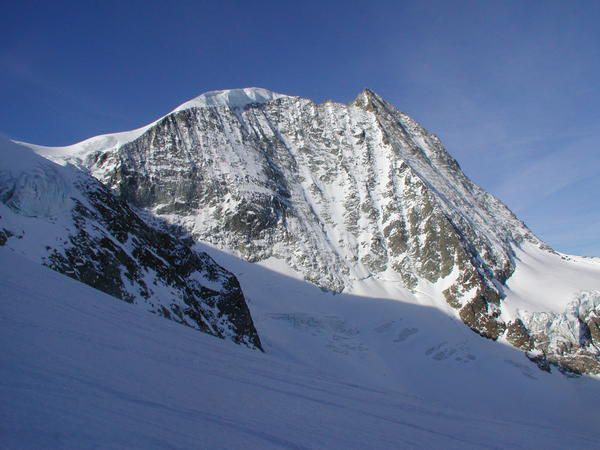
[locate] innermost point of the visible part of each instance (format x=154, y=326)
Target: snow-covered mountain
x=352, y=196
x=345, y=236
x=66, y=220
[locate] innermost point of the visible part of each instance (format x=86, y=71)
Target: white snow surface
x=75, y=153
x=546, y=281
x=404, y=378
x=233, y=98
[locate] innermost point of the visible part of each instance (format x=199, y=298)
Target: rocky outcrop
x=99, y=240
x=518, y=335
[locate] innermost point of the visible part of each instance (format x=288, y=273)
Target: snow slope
x=547, y=281
x=154, y=384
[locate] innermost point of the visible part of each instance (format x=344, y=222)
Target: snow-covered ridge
x=228, y=98
x=232, y=98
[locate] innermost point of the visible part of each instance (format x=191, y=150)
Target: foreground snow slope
x=82, y=370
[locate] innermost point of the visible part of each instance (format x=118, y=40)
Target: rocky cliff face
x=70, y=222
x=340, y=192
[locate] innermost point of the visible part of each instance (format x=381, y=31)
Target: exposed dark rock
x=482, y=318
x=5, y=235
x=540, y=360
x=578, y=363
x=517, y=335
x=593, y=324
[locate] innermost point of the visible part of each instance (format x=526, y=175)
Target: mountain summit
x=356, y=198
x=232, y=98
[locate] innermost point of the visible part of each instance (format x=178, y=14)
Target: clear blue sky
x=512, y=88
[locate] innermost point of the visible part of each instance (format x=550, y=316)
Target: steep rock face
x=342, y=193
x=70, y=222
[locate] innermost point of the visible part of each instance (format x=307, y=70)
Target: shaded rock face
x=100, y=241
x=341, y=192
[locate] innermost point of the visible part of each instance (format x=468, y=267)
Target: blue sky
x=511, y=88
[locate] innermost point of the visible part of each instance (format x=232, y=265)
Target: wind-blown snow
x=154, y=384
